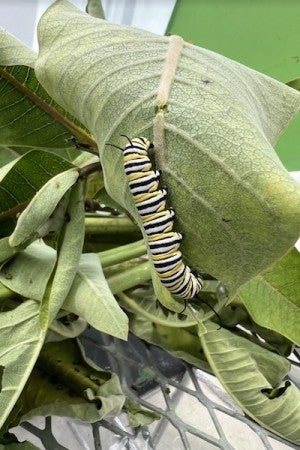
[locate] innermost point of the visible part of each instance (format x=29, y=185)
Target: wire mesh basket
x=195, y=411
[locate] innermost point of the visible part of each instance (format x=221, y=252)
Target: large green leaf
x=21, y=179
x=7, y=155
x=20, y=344
x=273, y=297
x=28, y=115
x=252, y=375
x=214, y=123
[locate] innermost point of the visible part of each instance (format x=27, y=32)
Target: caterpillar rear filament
x=158, y=220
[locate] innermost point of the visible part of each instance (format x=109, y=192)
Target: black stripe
x=150, y=208
x=171, y=286
x=167, y=261
x=180, y=291
x=150, y=224
x=164, y=244
x=137, y=162
x=140, y=183
x=176, y=277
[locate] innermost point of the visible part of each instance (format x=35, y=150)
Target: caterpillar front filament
x=150, y=202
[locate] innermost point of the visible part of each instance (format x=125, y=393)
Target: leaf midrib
x=46, y=107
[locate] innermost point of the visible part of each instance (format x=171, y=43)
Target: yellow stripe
x=157, y=237
x=169, y=228
x=146, y=196
x=137, y=175
x=154, y=187
x=166, y=255
x=156, y=215
x=176, y=269
x=139, y=141
x=133, y=156
x=176, y=286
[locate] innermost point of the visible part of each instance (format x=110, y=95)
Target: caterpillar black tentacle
x=158, y=220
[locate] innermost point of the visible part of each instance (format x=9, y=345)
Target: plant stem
x=109, y=225
x=122, y=253
x=129, y=278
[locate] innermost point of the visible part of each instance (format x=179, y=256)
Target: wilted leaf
x=65, y=385
x=29, y=272
x=214, y=123
x=142, y=301
x=91, y=298
x=139, y=416
x=67, y=329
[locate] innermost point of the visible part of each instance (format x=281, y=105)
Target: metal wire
x=170, y=384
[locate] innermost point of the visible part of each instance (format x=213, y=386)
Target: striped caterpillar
x=158, y=220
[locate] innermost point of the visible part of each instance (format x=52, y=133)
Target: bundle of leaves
x=214, y=123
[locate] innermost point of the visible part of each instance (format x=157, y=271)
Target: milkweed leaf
x=21, y=342
x=273, y=297
x=20, y=180
x=68, y=257
x=249, y=373
x=214, y=123
x=29, y=117
x=63, y=384
x=29, y=273
x=41, y=207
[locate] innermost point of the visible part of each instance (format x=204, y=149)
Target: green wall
x=262, y=34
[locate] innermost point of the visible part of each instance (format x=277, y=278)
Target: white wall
x=20, y=17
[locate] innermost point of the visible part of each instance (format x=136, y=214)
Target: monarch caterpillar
x=158, y=220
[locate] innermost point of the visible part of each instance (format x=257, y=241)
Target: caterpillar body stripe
x=150, y=202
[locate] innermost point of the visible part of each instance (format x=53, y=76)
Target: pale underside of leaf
x=273, y=297
x=21, y=342
x=68, y=257
x=89, y=296
x=215, y=123
x=14, y=52
x=42, y=206
x=245, y=369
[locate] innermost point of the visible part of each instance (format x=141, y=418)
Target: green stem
x=109, y=225
x=129, y=278
x=122, y=253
